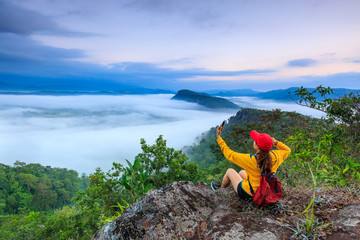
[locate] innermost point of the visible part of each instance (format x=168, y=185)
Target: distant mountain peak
x=204, y=100
x=285, y=95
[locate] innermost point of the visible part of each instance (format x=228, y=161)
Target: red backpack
x=268, y=192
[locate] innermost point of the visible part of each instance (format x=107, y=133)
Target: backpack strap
x=269, y=176
x=251, y=188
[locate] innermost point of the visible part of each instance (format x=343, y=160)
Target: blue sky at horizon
x=175, y=44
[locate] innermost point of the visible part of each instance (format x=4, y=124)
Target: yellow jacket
x=249, y=164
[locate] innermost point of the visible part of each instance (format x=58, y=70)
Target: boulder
x=183, y=210
x=347, y=223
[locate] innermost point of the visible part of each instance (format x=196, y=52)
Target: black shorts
x=241, y=192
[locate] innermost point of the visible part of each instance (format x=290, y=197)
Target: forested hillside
x=33, y=187
x=42, y=213
x=236, y=133
x=330, y=147
x=325, y=154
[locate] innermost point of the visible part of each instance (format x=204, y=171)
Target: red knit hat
x=263, y=140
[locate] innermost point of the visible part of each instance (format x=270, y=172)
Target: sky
x=176, y=44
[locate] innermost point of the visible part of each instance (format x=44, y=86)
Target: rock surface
x=347, y=223
x=183, y=210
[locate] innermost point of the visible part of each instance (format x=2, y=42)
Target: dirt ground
x=327, y=204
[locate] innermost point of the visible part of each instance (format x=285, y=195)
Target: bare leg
x=243, y=174
x=231, y=176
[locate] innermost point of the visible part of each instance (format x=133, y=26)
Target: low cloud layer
x=85, y=132
x=270, y=105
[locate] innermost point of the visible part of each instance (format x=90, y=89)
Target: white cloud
x=101, y=129
x=254, y=102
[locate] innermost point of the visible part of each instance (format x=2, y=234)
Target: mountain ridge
x=16, y=84
x=204, y=100
x=276, y=94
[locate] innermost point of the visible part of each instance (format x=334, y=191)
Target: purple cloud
x=17, y=20
x=352, y=60
x=303, y=62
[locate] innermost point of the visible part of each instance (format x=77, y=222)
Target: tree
x=165, y=164
x=344, y=109
x=28, y=179
x=332, y=146
x=95, y=203
x=44, y=198
x=12, y=204
x=21, y=191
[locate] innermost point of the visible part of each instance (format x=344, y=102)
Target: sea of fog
x=266, y=104
x=89, y=131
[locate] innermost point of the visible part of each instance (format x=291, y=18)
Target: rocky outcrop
x=183, y=210
x=347, y=223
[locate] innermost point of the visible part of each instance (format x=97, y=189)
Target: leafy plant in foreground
x=345, y=109
x=166, y=165
x=134, y=180
x=310, y=227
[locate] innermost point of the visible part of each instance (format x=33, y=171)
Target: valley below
x=83, y=132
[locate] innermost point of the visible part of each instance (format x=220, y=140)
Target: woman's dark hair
x=264, y=161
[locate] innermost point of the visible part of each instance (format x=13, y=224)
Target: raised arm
x=283, y=149
x=242, y=160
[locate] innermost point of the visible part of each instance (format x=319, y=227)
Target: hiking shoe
x=215, y=186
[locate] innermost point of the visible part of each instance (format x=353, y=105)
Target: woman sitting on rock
x=263, y=162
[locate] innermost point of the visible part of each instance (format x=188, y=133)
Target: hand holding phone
x=223, y=123
x=219, y=129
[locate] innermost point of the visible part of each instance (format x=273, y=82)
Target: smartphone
x=223, y=123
